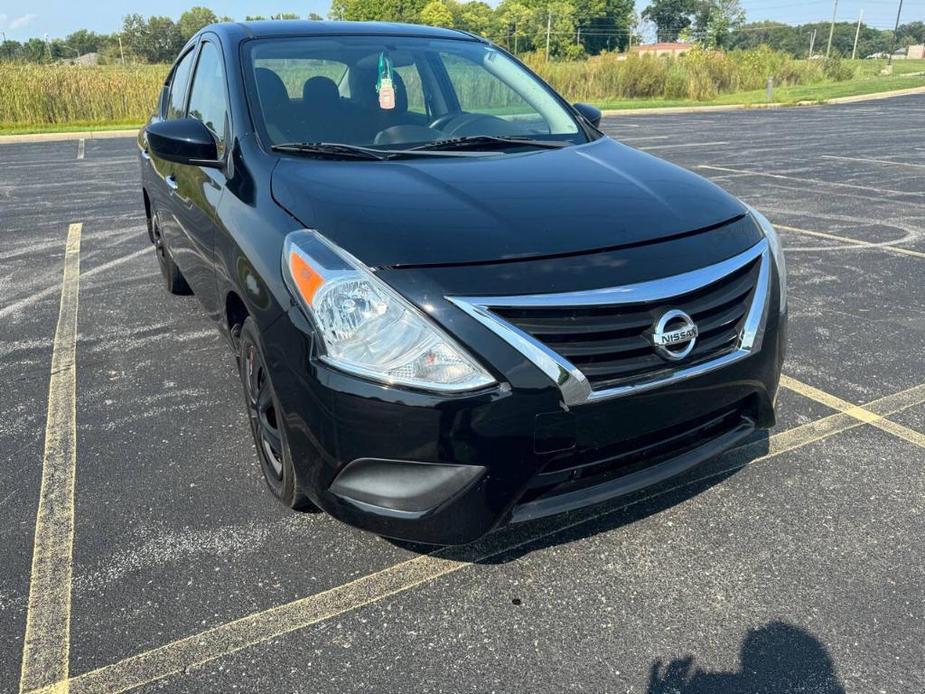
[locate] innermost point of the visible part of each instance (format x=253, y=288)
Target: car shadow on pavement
x=514, y=541
x=777, y=658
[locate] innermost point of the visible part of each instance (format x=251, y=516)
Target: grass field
x=50, y=98
x=818, y=93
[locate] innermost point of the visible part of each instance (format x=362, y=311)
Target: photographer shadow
x=777, y=658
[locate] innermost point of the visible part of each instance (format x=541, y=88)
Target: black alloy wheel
x=265, y=418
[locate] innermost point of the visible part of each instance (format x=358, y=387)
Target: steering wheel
x=459, y=124
x=443, y=120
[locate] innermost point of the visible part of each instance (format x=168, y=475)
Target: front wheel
x=265, y=418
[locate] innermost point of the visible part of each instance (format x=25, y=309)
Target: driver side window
x=479, y=91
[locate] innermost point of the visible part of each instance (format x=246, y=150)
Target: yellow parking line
x=853, y=242
x=903, y=432
x=259, y=627
x=46, y=647
x=861, y=413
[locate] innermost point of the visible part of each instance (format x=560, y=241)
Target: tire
x=264, y=415
x=173, y=278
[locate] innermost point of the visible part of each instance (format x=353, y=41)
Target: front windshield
x=397, y=92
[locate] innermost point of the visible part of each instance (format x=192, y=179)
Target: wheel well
x=235, y=311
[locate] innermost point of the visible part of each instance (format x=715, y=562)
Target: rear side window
x=177, y=92
x=207, y=101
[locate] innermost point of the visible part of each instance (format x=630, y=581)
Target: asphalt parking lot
x=791, y=564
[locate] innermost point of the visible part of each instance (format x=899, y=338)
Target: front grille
x=592, y=467
x=610, y=344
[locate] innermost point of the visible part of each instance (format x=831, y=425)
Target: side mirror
x=590, y=113
x=184, y=141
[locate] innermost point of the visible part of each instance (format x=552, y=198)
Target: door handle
x=171, y=182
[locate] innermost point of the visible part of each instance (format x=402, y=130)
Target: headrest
x=319, y=90
x=270, y=87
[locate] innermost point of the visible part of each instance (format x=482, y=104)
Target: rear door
x=198, y=190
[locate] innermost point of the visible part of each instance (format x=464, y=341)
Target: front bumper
x=472, y=463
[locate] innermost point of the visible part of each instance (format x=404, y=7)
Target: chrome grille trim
x=575, y=387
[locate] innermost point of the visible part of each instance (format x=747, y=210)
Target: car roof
x=292, y=27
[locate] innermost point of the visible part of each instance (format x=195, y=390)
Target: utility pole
x=121, y=52
x=548, y=31
x=889, y=60
x=515, y=38
x=578, y=37
x=812, y=42
x=828, y=48
x=857, y=32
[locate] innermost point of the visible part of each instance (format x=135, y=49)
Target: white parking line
x=883, y=245
x=800, y=179
x=874, y=161
x=640, y=139
x=687, y=144
x=81, y=148
x=49, y=291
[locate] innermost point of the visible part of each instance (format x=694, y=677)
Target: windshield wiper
x=483, y=142
x=337, y=149
x=331, y=149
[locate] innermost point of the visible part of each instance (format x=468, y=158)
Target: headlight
x=366, y=327
x=777, y=252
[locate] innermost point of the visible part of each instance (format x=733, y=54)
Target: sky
x=21, y=19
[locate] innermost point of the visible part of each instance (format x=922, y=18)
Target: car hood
x=442, y=210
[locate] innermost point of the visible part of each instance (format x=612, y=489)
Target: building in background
x=660, y=49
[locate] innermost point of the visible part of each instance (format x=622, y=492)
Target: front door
x=198, y=190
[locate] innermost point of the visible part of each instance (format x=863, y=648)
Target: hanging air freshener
x=384, y=85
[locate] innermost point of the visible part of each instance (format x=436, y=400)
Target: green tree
x=476, y=17
x=195, y=19
x=85, y=41
x=517, y=23
x=436, y=13
x=561, y=16
x=377, y=10
x=10, y=50
x=605, y=24
x=155, y=40
x=35, y=51
x=911, y=33
x=285, y=15
x=670, y=17
x=315, y=17
x=715, y=19
x=164, y=39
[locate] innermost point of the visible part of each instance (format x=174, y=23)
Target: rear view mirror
x=184, y=141
x=590, y=113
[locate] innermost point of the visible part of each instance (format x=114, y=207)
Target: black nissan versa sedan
x=454, y=302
